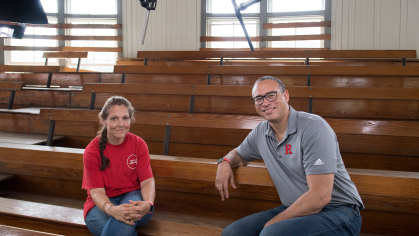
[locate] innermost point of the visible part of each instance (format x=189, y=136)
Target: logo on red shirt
x=132, y=161
x=288, y=149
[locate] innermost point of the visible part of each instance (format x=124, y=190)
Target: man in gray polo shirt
x=301, y=153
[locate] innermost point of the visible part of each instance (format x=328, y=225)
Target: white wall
x=375, y=24
x=175, y=25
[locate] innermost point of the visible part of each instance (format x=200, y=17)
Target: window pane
x=50, y=6
x=297, y=31
x=295, y=5
x=226, y=6
x=93, y=7
x=229, y=27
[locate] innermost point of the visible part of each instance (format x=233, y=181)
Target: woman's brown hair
x=103, y=132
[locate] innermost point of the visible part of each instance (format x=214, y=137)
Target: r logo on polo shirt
x=288, y=149
x=132, y=161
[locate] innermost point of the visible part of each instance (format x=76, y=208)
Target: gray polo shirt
x=309, y=147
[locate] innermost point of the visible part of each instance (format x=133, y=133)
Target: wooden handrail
x=71, y=26
x=270, y=70
x=278, y=54
x=38, y=69
x=65, y=55
x=10, y=85
x=62, y=49
x=246, y=91
x=267, y=38
x=296, y=25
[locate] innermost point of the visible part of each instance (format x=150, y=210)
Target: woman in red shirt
x=117, y=174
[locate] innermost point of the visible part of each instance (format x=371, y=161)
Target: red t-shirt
x=129, y=165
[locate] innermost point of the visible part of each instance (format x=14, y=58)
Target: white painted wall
x=375, y=24
x=175, y=25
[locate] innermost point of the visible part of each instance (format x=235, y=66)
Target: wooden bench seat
x=69, y=221
x=181, y=55
x=271, y=70
x=25, y=138
x=78, y=55
x=8, y=230
x=385, y=193
x=34, y=69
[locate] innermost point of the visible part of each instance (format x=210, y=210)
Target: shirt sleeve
x=320, y=147
x=143, y=166
x=248, y=149
x=92, y=176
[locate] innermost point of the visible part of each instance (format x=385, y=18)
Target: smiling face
x=117, y=123
x=273, y=111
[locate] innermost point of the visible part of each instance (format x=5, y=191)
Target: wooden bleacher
x=372, y=107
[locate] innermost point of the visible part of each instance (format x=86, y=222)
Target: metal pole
x=147, y=15
x=239, y=16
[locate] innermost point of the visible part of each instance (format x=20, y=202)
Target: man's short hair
x=279, y=82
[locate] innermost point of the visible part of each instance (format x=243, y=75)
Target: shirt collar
x=291, y=126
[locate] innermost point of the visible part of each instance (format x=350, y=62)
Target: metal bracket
x=78, y=65
x=209, y=79
x=46, y=61
x=123, y=78
x=92, y=101
x=307, y=62
x=404, y=61
x=167, y=140
x=11, y=99
x=49, y=80
x=221, y=61
x=145, y=61
x=192, y=104
x=51, y=132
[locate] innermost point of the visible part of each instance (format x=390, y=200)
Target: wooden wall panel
x=174, y=26
x=367, y=109
x=38, y=98
x=155, y=78
x=381, y=162
x=15, y=122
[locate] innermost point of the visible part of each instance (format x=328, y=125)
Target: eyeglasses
x=270, y=97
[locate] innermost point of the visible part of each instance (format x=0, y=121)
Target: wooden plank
x=272, y=70
x=10, y=85
x=296, y=25
x=245, y=91
x=15, y=123
x=64, y=55
x=59, y=79
x=44, y=69
x=63, y=49
x=4, y=176
x=297, y=37
x=70, y=37
x=218, y=39
x=25, y=138
x=47, y=98
x=71, y=26
x=8, y=230
x=281, y=54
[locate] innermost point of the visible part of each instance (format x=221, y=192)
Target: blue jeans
x=99, y=223
x=332, y=220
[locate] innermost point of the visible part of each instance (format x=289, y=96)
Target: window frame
x=264, y=17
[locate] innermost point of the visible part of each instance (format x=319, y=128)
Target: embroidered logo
x=288, y=149
x=318, y=162
x=132, y=161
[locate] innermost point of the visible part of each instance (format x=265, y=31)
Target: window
x=295, y=5
x=222, y=21
x=226, y=6
x=296, y=31
x=32, y=57
x=96, y=61
x=50, y=6
x=92, y=7
x=231, y=27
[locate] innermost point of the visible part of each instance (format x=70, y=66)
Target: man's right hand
x=224, y=175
